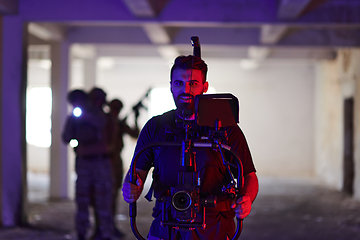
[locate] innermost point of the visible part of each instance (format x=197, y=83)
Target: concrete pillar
x=12, y=122
x=1, y=97
x=357, y=138
x=59, y=167
x=89, y=73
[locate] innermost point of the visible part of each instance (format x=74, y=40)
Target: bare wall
x=336, y=81
x=276, y=112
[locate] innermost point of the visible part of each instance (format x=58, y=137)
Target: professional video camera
x=213, y=111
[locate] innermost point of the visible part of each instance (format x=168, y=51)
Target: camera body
x=185, y=202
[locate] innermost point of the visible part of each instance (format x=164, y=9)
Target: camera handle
x=133, y=207
x=240, y=181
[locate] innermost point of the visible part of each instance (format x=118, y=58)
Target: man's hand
x=242, y=207
x=131, y=192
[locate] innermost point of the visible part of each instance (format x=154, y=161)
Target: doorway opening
x=348, y=162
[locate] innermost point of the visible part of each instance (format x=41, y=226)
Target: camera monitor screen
x=212, y=108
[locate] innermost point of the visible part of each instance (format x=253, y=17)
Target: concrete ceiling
x=256, y=29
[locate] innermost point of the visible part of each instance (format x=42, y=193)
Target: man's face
x=185, y=85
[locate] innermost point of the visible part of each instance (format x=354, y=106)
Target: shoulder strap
x=167, y=123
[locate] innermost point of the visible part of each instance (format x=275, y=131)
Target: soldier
x=89, y=127
x=120, y=129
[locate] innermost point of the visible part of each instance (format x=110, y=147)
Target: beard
x=185, y=108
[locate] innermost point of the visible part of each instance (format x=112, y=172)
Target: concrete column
x=12, y=115
x=357, y=138
x=1, y=97
x=59, y=167
x=89, y=73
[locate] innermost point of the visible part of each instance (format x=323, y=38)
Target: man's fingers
x=243, y=207
x=242, y=213
x=233, y=203
x=131, y=192
x=139, y=182
x=242, y=210
x=243, y=199
x=130, y=198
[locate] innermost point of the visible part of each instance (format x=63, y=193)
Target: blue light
x=77, y=112
x=74, y=143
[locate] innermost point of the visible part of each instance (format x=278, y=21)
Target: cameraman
x=188, y=79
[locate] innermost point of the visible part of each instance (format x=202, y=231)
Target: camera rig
x=186, y=201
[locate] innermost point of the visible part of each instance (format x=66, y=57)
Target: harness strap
x=168, y=133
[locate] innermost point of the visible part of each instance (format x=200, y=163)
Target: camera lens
x=181, y=200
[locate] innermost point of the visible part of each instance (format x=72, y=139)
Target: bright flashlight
x=74, y=143
x=77, y=112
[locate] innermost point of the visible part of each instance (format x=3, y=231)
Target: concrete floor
x=285, y=209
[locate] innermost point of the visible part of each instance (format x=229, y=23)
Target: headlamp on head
x=77, y=112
